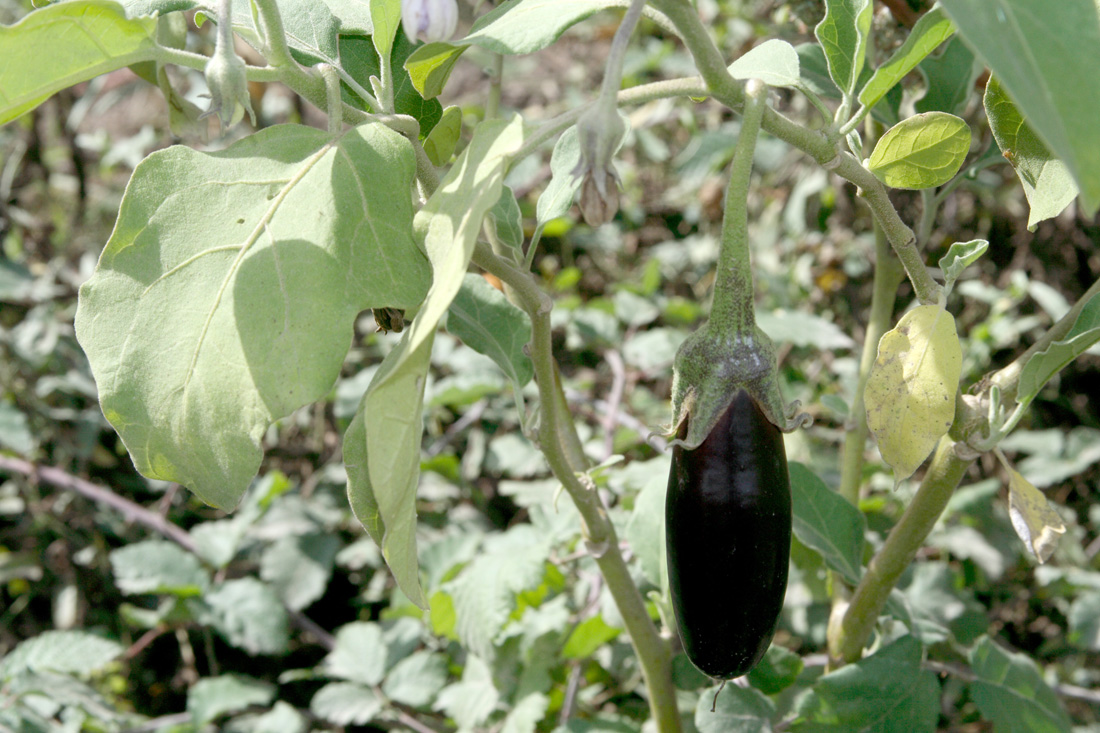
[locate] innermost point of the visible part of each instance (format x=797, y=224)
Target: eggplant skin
x=728, y=532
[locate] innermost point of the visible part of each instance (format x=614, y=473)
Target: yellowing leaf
x=910, y=394
x=1033, y=517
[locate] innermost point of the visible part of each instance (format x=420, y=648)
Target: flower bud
x=225, y=76
x=599, y=199
x=429, y=20
x=600, y=131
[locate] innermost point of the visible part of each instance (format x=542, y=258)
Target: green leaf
x=887, y=692
x=382, y=492
x=1084, y=621
x=63, y=44
x=773, y=62
x=260, y=257
x=299, y=567
x=1042, y=366
x=360, y=59
x=933, y=28
x=557, y=197
x=489, y=323
x=158, y=566
x=1046, y=56
x=507, y=220
x=249, y=615
x=1047, y=181
x=1010, y=692
x=803, y=329
x=910, y=393
x=15, y=431
x=778, y=670
x=417, y=679
x=949, y=78
x=737, y=710
x=385, y=15
x=588, y=636
x=345, y=703
x=842, y=34
x=473, y=699
x=646, y=529
x=212, y=697
x=525, y=716
x=429, y=67
x=960, y=256
x=827, y=522
x=923, y=151
x=441, y=141
x=67, y=652
x=359, y=654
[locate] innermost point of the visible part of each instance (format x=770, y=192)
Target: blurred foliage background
x=282, y=616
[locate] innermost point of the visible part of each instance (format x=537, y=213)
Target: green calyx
x=709, y=370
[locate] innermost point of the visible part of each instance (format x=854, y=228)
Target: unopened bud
x=226, y=77
x=599, y=199
x=429, y=20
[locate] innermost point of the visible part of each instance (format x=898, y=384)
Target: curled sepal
x=711, y=368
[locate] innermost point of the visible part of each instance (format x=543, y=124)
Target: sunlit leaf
x=910, y=393
x=773, y=62
x=1042, y=366
x=1046, y=56
x=923, y=151
x=842, y=34
x=258, y=258
x=933, y=28
x=63, y=44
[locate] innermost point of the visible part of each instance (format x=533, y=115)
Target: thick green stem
x=907, y=536
x=733, y=307
x=335, y=106
x=555, y=426
x=888, y=275
x=817, y=145
x=276, y=49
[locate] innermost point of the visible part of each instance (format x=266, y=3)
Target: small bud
x=225, y=76
x=599, y=199
x=429, y=20
x=601, y=131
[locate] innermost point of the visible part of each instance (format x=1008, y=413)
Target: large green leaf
x=949, y=78
x=887, y=692
x=514, y=27
x=736, y=710
x=1047, y=182
x=382, y=445
x=359, y=57
x=227, y=294
x=1046, y=55
x=827, y=522
x=66, y=43
x=1010, y=691
x=842, y=34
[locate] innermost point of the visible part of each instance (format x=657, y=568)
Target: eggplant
x=728, y=532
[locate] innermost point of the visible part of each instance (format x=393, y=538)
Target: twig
x=614, y=399
x=131, y=511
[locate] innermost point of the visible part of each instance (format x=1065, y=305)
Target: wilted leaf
x=1034, y=519
x=910, y=394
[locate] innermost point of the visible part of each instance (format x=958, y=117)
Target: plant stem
x=496, y=77
x=817, y=145
x=733, y=307
x=907, y=536
x=192, y=60
x=275, y=46
x=559, y=443
x=335, y=107
x=888, y=275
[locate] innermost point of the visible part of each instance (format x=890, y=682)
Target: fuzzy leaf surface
x=923, y=151
x=226, y=296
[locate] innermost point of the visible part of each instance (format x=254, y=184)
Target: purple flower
x=429, y=20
